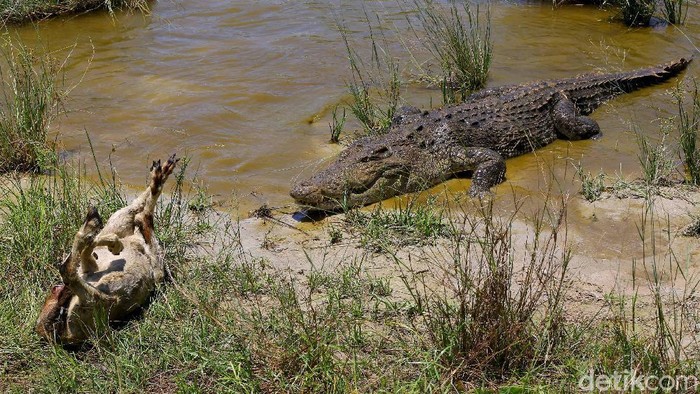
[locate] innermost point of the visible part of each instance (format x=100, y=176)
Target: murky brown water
x=235, y=84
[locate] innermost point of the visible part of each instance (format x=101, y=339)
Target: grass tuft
x=458, y=38
x=657, y=166
x=410, y=224
x=688, y=123
x=19, y=11
x=461, y=42
x=31, y=100
x=592, y=187
x=637, y=12
x=675, y=11
x=336, y=125
x=496, y=317
x=375, y=85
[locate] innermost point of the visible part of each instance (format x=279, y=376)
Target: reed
x=637, y=12
x=592, y=186
x=460, y=39
x=675, y=11
x=375, y=84
x=336, y=125
x=19, y=11
x=30, y=101
x=688, y=123
x=657, y=166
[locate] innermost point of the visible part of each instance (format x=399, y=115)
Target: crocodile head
x=368, y=171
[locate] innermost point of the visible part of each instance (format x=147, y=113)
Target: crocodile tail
x=676, y=67
x=652, y=75
x=589, y=91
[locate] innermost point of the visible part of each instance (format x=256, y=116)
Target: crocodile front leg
x=487, y=166
x=569, y=124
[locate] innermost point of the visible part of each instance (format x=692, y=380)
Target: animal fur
x=111, y=271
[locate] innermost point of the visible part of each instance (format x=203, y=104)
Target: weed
x=592, y=187
x=666, y=349
x=178, y=229
x=335, y=235
x=637, y=12
x=202, y=201
x=657, y=166
x=462, y=45
x=345, y=281
x=409, y=224
x=336, y=125
x=250, y=277
x=675, y=11
x=458, y=39
x=31, y=99
x=688, y=123
x=13, y=11
x=297, y=344
x=375, y=87
x=482, y=324
x=380, y=287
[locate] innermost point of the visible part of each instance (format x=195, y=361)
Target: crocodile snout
x=310, y=194
x=305, y=192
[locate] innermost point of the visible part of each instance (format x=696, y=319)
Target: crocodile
x=424, y=148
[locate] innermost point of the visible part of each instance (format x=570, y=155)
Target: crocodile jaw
x=337, y=190
x=307, y=194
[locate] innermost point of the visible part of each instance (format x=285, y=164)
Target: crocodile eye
x=377, y=154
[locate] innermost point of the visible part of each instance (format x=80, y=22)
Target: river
x=245, y=88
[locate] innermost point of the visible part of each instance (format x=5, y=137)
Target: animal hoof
x=168, y=167
x=116, y=247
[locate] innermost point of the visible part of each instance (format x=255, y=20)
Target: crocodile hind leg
x=487, y=166
x=569, y=124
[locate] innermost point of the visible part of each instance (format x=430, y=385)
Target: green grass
x=19, y=11
x=489, y=312
x=410, y=224
x=675, y=11
x=592, y=187
x=31, y=100
x=461, y=41
x=636, y=12
x=639, y=13
x=375, y=84
x=650, y=338
x=655, y=161
x=336, y=125
x=482, y=325
x=688, y=123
